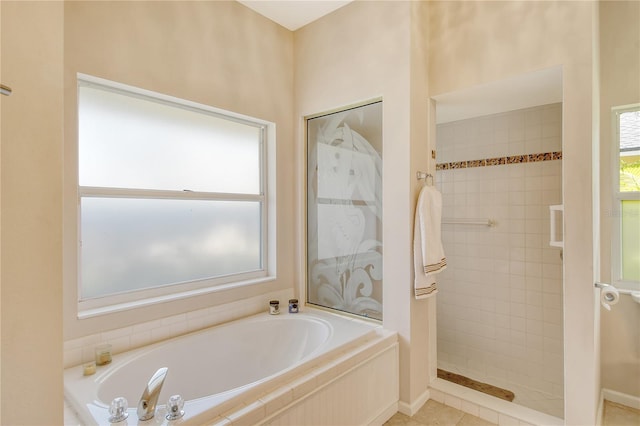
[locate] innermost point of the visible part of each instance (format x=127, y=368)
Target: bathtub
x=260, y=369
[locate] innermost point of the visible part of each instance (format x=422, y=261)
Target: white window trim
x=140, y=298
x=617, y=197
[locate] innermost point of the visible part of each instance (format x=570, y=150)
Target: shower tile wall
x=500, y=299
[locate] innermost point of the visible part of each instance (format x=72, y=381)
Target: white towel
x=428, y=254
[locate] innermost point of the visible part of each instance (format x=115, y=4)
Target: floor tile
x=469, y=420
x=620, y=415
x=400, y=419
x=434, y=413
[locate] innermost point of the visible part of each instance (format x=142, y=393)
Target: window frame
x=116, y=302
x=616, y=201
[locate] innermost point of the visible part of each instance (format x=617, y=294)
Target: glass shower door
x=344, y=210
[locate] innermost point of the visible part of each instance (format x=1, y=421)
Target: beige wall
x=222, y=54
x=31, y=197
x=0, y=219
x=473, y=43
x=620, y=85
x=422, y=127
x=363, y=51
x=216, y=53
x=469, y=43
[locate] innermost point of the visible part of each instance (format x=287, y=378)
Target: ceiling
x=294, y=14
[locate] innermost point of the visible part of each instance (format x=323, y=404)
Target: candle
x=89, y=368
x=103, y=354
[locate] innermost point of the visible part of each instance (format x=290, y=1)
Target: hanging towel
x=428, y=254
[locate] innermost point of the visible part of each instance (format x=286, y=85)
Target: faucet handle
x=175, y=406
x=118, y=410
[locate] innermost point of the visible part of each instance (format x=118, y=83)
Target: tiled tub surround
x=330, y=362
x=80, y=350
x=500, y=299
x=77, y=351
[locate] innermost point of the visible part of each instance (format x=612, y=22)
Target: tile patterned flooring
x=620, y=415
x=436, y=414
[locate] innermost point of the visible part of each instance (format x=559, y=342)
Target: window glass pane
x=126, y=141
x=631, y=240
x=344, y=214
x=131, y=244
x=629, y=151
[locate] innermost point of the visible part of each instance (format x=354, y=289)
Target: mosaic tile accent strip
x=458, y=165
x=477, y=163
x=497, y=161
x=517, y=159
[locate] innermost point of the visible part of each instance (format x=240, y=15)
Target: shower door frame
x=360, y=292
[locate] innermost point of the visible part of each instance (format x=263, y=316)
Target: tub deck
x=349, y=343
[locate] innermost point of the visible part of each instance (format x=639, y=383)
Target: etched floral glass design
x=344, y=210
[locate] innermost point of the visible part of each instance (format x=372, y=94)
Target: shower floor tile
x=539, y=401
x=475, y=385
x=527, y=397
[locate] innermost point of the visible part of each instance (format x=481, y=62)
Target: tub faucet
x=149, y=398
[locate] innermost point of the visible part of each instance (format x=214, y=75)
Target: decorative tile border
x=515, y=159
x=477, y=163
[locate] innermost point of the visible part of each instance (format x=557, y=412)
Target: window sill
x=627, y=285
x=126, y=306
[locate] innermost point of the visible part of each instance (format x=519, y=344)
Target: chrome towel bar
x=483, y=222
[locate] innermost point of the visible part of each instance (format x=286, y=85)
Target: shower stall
x=500, y=301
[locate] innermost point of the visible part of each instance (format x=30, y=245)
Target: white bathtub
x=250, y=371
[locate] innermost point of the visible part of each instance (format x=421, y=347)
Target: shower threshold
x=475, y=385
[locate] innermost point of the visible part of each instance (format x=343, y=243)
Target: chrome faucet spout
x=149, y=398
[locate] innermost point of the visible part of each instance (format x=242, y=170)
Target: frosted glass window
x=128, y=141
x=133, y=244
x=171, y=193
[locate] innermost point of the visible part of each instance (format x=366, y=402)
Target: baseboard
x=411, y=409
x=621, y=398
x=386, y=414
